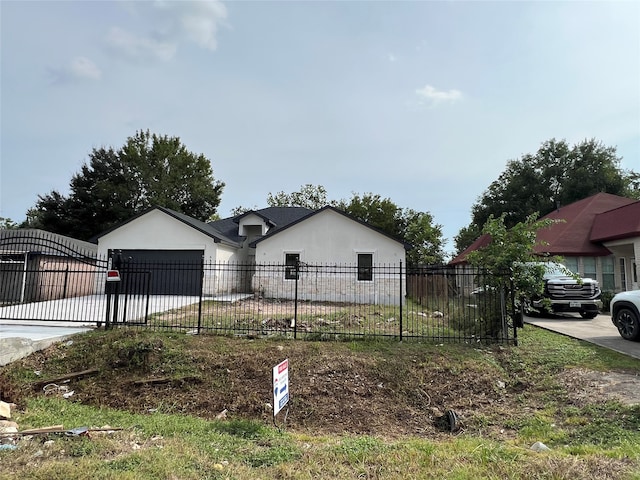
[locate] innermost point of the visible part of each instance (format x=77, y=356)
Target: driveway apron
x=599, y=331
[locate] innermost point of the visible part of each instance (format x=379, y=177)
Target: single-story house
x=258, y=240
x=331, y=237
x=36, y=266
x=598, y=237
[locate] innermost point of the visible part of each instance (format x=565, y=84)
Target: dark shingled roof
x=275, y=217
x=278, y=216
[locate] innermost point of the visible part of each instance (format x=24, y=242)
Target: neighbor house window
x=623, y=274
x=365, y=267
x=589, y=264
x=291, y=262
x=608, y=274
x=571, y=263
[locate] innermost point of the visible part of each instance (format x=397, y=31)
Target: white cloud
x=432, y=95
x=200, y=22
x=392, y=58
x=139, y=47
x=168, y=24
x=80, y=68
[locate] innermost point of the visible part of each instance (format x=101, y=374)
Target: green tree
x=415, y=228
x=313, y=197
x=508, y=267
x=149, y=170
x=465, y=237
x=557, y=174
x=376, y=211
x=425, y=238
x=7, y=224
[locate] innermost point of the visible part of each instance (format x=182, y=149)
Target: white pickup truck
x=564, y=292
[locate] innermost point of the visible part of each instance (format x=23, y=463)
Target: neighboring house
x=270, y=236
x=598, y=237
x=36, y=265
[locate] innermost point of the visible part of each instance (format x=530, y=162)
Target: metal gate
x=46, y=276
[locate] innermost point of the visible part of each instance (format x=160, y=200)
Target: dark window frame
x=365, y=267
x=291, y=266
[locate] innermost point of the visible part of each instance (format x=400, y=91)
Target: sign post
x=280, y=387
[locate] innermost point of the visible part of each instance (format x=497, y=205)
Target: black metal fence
x=335, y=301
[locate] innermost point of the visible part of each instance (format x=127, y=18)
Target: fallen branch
x=58, y=429
x=68, y=376
x=162, y=380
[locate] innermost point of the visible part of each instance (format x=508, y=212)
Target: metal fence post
x=400, y=300
x=201, y=291
x=517, y=322
x=295, y=301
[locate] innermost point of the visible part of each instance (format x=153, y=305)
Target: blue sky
x=420, y=102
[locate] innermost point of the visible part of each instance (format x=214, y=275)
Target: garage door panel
x=162, y=272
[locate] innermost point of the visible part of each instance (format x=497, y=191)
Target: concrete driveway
x=23, y=330
x=18, y=341
x=599, y=331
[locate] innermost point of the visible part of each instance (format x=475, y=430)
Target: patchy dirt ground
x=588, y=386
x=341, y=388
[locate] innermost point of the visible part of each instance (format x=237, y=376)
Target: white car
x=625, y=314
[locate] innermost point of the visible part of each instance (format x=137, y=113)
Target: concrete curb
x=16, y=348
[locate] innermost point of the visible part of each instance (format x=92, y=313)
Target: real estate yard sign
x=280, y=386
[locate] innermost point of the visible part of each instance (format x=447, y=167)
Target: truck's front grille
x=572, y=290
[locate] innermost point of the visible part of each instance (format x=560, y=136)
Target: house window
x=608, y=274
x=291, y=262
x=365, y=267
x=623, y=274
x=571, y=263
x=589, y=264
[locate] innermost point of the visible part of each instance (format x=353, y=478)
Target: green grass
x=160, y=446
x=590, y=440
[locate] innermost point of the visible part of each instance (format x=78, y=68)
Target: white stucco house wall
x=340, y=259
x=254, y=252
x=161, y=237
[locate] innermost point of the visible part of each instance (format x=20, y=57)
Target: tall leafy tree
x=425, y=238
x=557, y=174
x=7, y=224
x=465, y=237
x=114, y=185
x=416, y=228
x=379, y=212
x=309, y=196
x=507, y=266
